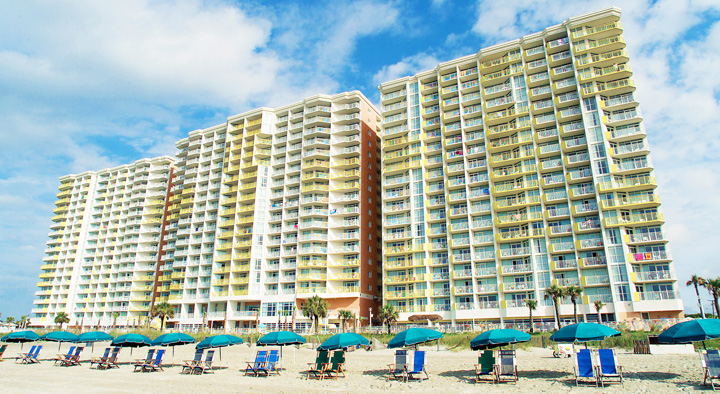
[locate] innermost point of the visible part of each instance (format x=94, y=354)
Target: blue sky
x=85, y=85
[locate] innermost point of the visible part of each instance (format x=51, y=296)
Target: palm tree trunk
x=575, y=311
x=557, y=313
x=702, y=311
x=717, y=307
x=531, y=322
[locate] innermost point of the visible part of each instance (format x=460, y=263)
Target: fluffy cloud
x=407, y=66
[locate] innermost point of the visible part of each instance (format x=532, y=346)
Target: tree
x=697, y=281
x=387, y=315
x=555, y=292
x=61, y=318
x=11, y=320
x=23, y=321
x=574, y=292
x=115, y=316
x=315, y=308
x=715, y=286
x=344, y=317
x=532, y=305
x=708, y=286
x=599, y=305
x=163, y=310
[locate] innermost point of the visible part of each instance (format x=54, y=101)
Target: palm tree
x=315, y=308
x=599, y=305
x=163, y=310
x=344, y=317
x=697, y=281
x=115, y=316
x=574, y=292
x=388, y=314
x=61, y=318
x=715, y=286
x=23, y=321
x=708, y=286
x=555, y=292
x=11, y=320
x=532, y=305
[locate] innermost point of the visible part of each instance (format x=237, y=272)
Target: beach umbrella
x=93, y=336
x=583, y=332
x=413, y=337
x=59, y=337
x=281, y=338
x=173, y=339
x=20, y=337
x=131, y=341
x=341, y=341
x=691, y=331
x=219, y=341
x=499, y=337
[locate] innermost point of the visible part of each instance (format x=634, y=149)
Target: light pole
x=371, y=315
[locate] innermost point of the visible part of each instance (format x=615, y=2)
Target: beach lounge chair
x=335, y=366
x=23, y=356
x=190, y=364
x=206, y=365
x=254, y=366
x=104, y=357
x=418, y=367
x=73, y=359
x=32, y=357
x=485, y=367
x=403, y=361
x=142, y=361
x=712, y=368
x=60, y=357
x=506, y=368
x=608, y=370
x=2, y=351
x=584, y=367
x=270, y=366
x=110, y=362
x=156, y=363
x=315, y=370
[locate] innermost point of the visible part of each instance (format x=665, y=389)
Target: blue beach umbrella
x=583, y=332
x=691, y=331
x=173, y=339
x=131, y=341
x=499, y=337
x=92, y=337
x=59, y=337
x=20, y=337
x=413, y=337
x=281, y=338
x=219, y=341
x=340, y=341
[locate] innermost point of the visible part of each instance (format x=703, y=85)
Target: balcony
x=657, y=295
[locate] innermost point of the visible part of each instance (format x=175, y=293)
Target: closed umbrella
x=691, y=331
x=499, y=337
x=344, y=340
x=59, y=337
x=583, y=332
x=92, y=337
x=131, y=341
x=219, y=341
x=20, y=337
x=281, y=338
x=173, y=339
x=414, y=337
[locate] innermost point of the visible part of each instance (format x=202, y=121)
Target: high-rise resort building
x=519, y=167
x=105, y=245
x=271, y=208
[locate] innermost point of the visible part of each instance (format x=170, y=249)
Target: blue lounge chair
x=191, y=364
x=73, y=359
x=712, y=368
x=22, y=356
x=156, y=363
x=32, y=356
x=142, y=361
x=584, y=367
x=103, y=358
x=608, y=369
x=485, y=367
x=403, y=358
x=271, y=365
x=206, y=365
x=60, y=357
x=110, y=362
x=418, y=367
x=254, y=367
x=506, y=368
x=335, y=366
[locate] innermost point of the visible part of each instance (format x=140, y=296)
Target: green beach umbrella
x=219, y=341
x=691, y=331
x=20, y=337
x=59, y=337
x=583, y=332
x=499, y=337
x=413, y=337
x=173, y=339
x=341, y=341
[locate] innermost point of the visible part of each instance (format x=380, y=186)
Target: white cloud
x=407, y=66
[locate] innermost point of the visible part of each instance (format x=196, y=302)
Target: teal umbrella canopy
x=280, y=338
x=413, y=336
x=173, y=339
x=94, y=336
x=219, y=341
x=691, y=331
x=340, y=341
x=499, y=337
x=59, y=336
x=20, y=337
x=583, y=332
x=131, y=340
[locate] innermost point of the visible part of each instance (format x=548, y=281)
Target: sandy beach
x=449, y=372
